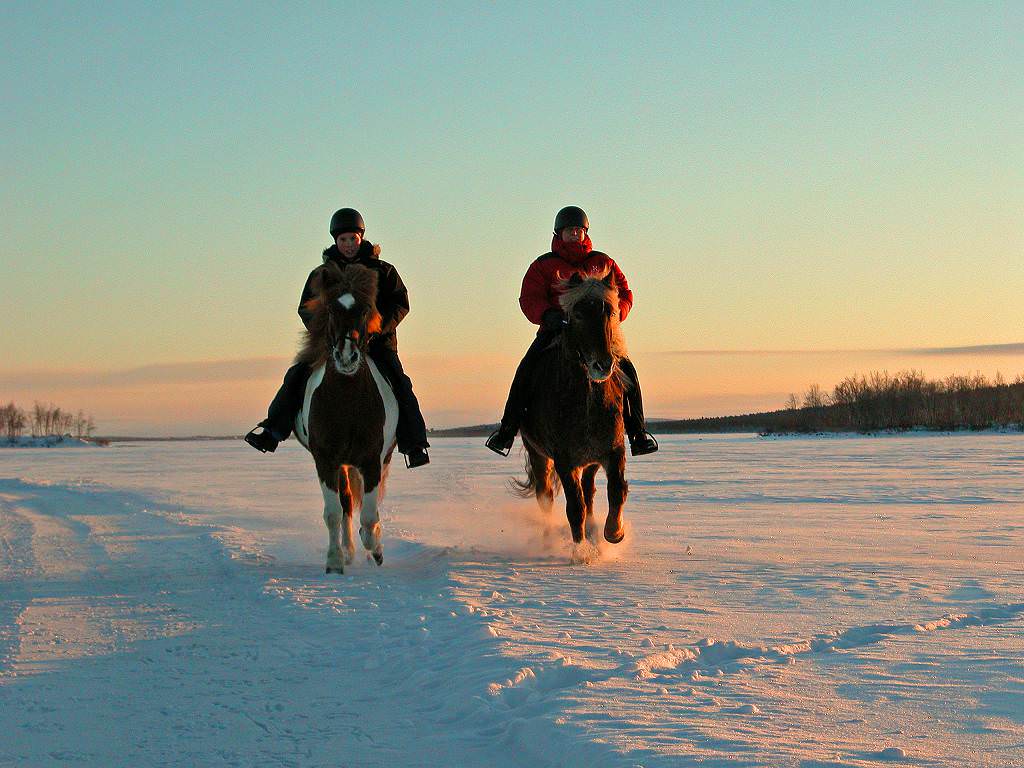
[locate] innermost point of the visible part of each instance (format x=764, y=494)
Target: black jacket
x=392, y=296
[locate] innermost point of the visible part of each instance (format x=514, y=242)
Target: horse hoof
x=378, y=558
x=329, y=569
x=614, y=537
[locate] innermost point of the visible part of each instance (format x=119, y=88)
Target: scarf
x=573, y=252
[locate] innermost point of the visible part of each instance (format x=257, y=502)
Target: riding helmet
x=571, y=216
x=346, y=220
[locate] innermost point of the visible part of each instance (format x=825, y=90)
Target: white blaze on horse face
x=347, y=301
x=347, y=361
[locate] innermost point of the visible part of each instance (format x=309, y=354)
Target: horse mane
x=600, y=285
x=327, y=283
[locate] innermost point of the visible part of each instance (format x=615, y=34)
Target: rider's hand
x=553, y=319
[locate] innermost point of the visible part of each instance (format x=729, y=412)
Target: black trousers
x=412, y=430
x=519, y=392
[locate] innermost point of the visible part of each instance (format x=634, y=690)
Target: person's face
x=573, y=234
x=348, y=243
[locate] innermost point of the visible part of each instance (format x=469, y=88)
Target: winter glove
x=553, y=319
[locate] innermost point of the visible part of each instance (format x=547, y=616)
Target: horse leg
x=540, y=468
x=345, y=493
x=574, y=504
x=589, y=487
x=333, y=513
x=369, y=519
x=618, y=489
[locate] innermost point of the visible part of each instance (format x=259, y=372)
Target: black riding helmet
x=347, y=220
x=571, y=216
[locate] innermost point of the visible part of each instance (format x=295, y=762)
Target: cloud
x=977, y=349
x=201, y=372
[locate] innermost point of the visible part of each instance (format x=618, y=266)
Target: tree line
x=42, y=420
x=906, y=400
x=877, y=402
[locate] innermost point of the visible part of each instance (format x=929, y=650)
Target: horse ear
x=609, y=280
x=326, y=277
x=576, y=279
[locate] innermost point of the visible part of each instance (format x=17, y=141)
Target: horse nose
x=601, y=369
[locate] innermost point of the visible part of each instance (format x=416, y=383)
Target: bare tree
x=12, y=420
x=814, y=398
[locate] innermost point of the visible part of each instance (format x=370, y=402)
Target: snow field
x=776, y=603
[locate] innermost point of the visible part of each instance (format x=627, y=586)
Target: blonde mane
x=593, y=285
x=328, y=283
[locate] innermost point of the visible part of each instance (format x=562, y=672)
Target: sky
x=796, y=192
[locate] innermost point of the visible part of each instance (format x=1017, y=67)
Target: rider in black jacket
x=350, y=247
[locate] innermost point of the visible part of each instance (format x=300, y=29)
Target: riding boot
x=640, y=440
x=501, y=439
x=284, y=408
x=412, y=430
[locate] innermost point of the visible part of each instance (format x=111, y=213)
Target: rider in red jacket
x=571, y=251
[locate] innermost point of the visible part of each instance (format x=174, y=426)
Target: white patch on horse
x=333, y=514
x=347, y=301
x=390, y=411
x=369, y=525
x=302, y=420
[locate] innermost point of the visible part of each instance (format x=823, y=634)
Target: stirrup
x=419, y=458
x=264, y=442
x=500, y=448
x=644, y=444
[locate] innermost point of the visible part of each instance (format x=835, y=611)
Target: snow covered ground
x=799, y=602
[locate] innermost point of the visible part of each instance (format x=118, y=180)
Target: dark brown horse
x=349, y=414
x=573, y=422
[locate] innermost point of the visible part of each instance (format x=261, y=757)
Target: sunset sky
x=796, y=192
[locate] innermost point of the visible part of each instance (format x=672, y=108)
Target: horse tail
x=355, y=479
x=525, y=489
x=533, y=483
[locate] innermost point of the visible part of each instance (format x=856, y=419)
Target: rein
x=335, y=341
x=578, y=352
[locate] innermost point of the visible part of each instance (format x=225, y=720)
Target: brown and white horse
x=349, y=415
x=573, y=423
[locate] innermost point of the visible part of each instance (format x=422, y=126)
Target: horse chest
x=346, y=419
x=581, y=419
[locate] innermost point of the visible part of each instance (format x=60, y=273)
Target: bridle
x=567, y=323
x=335, y=341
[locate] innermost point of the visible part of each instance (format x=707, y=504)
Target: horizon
x=189, y=388
x=796, y=194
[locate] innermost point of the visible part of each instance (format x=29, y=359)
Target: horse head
x=591, y=305
x=344, y=316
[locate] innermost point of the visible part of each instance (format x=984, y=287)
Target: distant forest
x=43, y=420
x=879, y=402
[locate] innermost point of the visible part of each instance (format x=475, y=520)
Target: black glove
x=553, y=319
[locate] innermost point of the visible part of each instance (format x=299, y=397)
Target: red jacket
x=540, y=285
